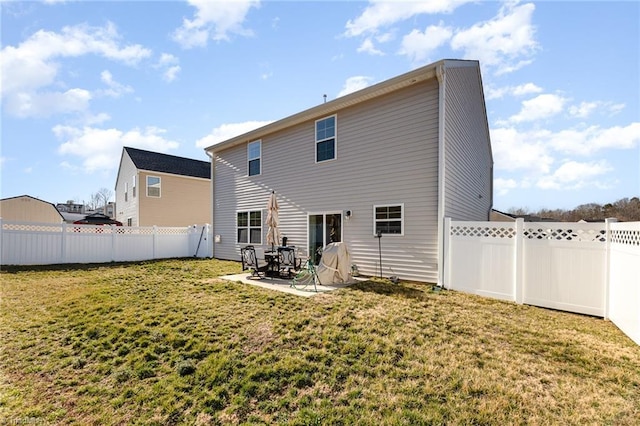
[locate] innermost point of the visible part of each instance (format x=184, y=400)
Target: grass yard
x=167, y=343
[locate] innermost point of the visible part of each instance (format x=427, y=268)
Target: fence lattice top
x=624, y=236
x=566, y=234
x=483, y=231
x=626, y=233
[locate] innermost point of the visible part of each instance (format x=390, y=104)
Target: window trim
x=159, y=186
x=335, y=138
x=402, y=215
x=249, y=227
x=259, y=158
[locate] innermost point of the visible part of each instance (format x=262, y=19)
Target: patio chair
x=250, y=262
x=287, y=263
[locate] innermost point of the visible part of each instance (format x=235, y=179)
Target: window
x=153, y=186
x=129, y=221
x=326, y=139
x=126, y=191
x=250, y=227
x=133, y=186
x=253, y=157
x=389, y=219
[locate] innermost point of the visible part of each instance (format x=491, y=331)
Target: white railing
x=589, y=268
x=25, y=243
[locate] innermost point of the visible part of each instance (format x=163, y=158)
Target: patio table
x=273, y=266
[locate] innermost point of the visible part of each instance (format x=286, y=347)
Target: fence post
x=518, y=263
x=155, y=240
x=113, y=243
x=209, y=240
x=193, y=244
x=446, y=253
x=607, y=265
x=63, y=243
x=2, y=261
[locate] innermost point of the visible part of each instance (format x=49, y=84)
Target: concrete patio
x=282, y=285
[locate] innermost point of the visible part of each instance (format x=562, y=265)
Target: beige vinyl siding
x=28, y=209
x=183, y=200
x=387, y=153
x=127, y=209
x=468, y=158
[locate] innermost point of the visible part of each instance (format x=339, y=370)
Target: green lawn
x=167, y=343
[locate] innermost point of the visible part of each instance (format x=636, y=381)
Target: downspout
x=213, y=202
x=440, y=73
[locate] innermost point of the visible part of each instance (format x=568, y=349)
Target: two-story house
x=161, y=189
x=395, y=158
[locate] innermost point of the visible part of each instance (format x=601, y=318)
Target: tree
x=100, y=199
x=625, y=210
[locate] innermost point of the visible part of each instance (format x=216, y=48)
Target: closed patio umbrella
x=273, y=232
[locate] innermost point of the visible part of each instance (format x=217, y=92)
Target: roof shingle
x=157, y=162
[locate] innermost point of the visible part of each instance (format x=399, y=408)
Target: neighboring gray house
x=397, y=157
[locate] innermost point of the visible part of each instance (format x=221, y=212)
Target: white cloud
x=586, y=109
x=171, y=67
x=520, y=90
x=541, y=107
x=353, y=84
x=583, y=110
x=45, y=104
x=503, y=186
x=368, y=47
x=592, y=139
x=575, y=175
x=167, y=59
x=100, y=149
x=526, y=89
x=514, y=150
x=171, y=73
x=115, y=89
x=385, y=37
x=533, y=154
x=534, y=150
x=420, y=45
x=92, y=119
x=214, y=20
x=31, y=66
x=228, y=131
x=381, y=14
x=504, y=43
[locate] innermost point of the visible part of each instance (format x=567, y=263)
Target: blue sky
x=80, y=80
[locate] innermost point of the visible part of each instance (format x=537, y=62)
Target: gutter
x=441, y=75
x=213, y=202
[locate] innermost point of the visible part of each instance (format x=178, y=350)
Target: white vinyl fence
x=589, y=268
x=24, y=243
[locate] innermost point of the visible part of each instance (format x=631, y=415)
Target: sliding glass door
x=324, y=228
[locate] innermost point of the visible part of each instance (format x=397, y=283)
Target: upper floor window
x=126, y=191
x=254, y=152
x=326, y=139
x=153, y=186
x=389, y=219
x=249, y=226
x=133, y=186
